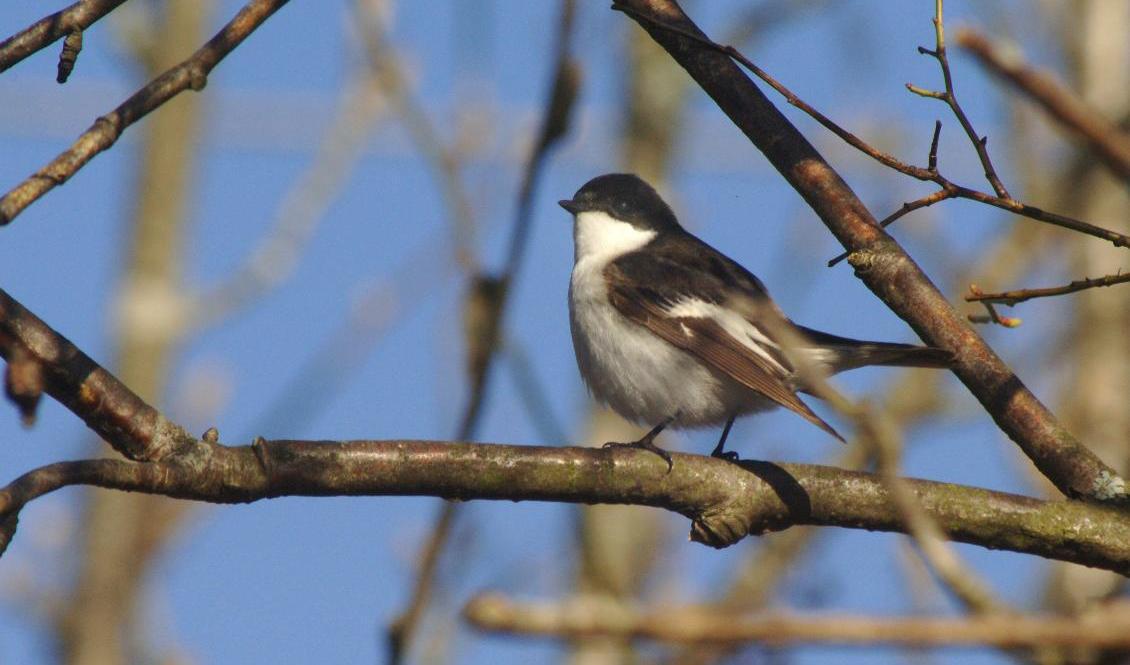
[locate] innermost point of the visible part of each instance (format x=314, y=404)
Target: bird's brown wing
x=705, y=339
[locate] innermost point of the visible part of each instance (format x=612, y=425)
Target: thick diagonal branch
x=133, y=427
x=878, y=260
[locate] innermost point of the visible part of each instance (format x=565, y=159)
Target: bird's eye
x=622, y=205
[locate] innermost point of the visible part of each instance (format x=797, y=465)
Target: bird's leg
x=646, y=441
x=718, y=449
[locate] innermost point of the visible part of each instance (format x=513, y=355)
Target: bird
x=670, y=332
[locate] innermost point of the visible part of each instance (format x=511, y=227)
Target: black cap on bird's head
x=625, y=197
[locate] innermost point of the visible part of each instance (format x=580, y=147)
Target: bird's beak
x=570, y=205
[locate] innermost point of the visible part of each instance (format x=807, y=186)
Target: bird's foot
x=644, y=444
x=728, y=455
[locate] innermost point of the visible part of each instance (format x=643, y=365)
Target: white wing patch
x=733, y=323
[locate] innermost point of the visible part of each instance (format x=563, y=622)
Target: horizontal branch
x=1020, y=295
x=189, y=74
x=49, y=29
x=585, y=618
x=725, y=501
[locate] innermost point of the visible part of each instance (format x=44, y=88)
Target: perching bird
x=668, y=331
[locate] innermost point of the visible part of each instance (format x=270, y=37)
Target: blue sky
x=304, y=580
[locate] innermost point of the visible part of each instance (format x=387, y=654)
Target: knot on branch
x=1108, y=486
x=721, y=528
x=861, y=260
x=168, y=439
x=773, y=502
x=197, y=78
x=876, y=262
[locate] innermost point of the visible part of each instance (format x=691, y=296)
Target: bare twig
x=47, y=30
x=1102, y=136
x=950, y=98
x=703, y=625
x=908, y=207
x=948, y=188
x=189, y=74
x=555, y=123
x=878, y=260
x=484, y=312
x=930, y=174
x=402, y=629
x=1011, y=298
x=385, y=65
x=991, y=315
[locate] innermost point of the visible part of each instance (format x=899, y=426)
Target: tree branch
x=878, y=259
x=49, y=29
x=950, y=98
x=584, y=619
x=133, y=427
x=725, y=501
x=484, y=313
x=947, y=188
x=189, y=74
x=1011, y=298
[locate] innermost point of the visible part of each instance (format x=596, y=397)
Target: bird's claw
x=644, y=445
x=728, y=455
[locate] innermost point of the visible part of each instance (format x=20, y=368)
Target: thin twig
x=1111, y=144
x=49, y=29
x=991, y=315
x=486, y=307
x=583, y=619
x=192, y=74
x=1011, y=298
x=555, y=123
x=908, y=207
x=931, y=174
x=950, y=98
x=385, y=64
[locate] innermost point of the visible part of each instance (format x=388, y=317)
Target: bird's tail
x=850, y=353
